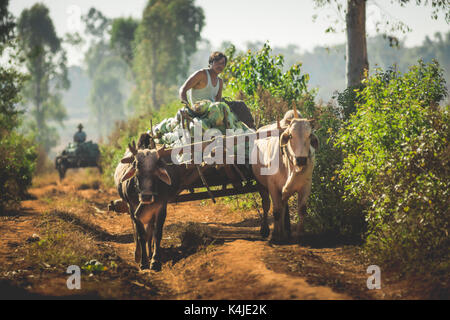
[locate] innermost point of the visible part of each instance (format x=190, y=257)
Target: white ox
x=292, y=156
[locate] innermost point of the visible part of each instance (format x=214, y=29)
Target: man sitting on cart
x=80, y=136
x=205, y=84
x=204, y=108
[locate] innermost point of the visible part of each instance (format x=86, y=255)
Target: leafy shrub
x=17, y=162
x=17, y=154
x=397, y=162
x=347, y=100
x=330, y=216
x=258, y=79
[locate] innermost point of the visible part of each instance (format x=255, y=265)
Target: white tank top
x=207, y=93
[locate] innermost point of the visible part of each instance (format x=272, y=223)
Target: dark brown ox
x=290, y=161
x=145, y=184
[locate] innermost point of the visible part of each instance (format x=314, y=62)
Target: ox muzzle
x=147, y=197
x=301, y=161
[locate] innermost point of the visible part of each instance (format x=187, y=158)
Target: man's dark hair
x=216, y=56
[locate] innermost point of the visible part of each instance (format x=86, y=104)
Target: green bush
x=17, y=163
x=397, y=163
x=17, y=154
x=258, y=79
x=330, y=215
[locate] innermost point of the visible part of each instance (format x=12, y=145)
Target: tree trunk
x=357, y=60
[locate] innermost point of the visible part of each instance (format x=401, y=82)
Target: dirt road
x=209, y=252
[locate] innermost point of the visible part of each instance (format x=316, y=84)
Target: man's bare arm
x=219, y=93
x=191, y=82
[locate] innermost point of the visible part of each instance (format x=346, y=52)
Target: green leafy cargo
x=205, y=114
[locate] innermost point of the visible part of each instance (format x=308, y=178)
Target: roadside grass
x=45, y=179
x=61, y=244
x=81, y=179
x=85, y=178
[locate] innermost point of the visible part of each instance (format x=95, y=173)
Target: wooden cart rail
x=184, y=197
x=244, y=184
x=231, y=140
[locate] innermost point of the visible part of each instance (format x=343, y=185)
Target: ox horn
x=132, y=148
x=160, y=150
x=296, y=116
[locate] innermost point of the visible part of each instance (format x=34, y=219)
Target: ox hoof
x=155, y=265
x=264, y=231
x=144, y=266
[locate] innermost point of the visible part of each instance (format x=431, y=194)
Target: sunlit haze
x=240, y=21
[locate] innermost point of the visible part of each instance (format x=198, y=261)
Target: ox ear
x=314, y=141
x=162, y=174
x=129, y=159
x=129, y=174
x=284, y=138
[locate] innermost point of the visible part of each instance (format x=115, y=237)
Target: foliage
x=347, y=100
x=17, y=153
x=330, y=216
x=17, y=163
x=7, y=23
x=106, y=100
x=12, y=82
x=355, y=11
x=122, y=38
x=45, y=62
x=107, y=70
x=397, y=162
x=255, y=76
x=126, y=131
x=165, y=39
x=437, y=5
x=97, y=25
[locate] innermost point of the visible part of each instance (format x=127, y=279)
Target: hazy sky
x=281, y=22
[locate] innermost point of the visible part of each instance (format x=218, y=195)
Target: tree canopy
x=355, y=16
x=17, y=155
x=122, y=37
x=46, y=64
x=166, y=38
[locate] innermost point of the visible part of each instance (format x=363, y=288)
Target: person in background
x=80, y=136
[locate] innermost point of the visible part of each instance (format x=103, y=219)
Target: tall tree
x=357, y=60
x=17, y=155
x=106, y=67
x=106, y=99
x=122, y=38
x=46, y=64
x=166, y=38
